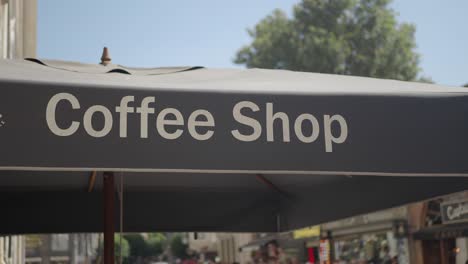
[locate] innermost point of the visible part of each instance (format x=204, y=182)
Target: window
x=59, y=242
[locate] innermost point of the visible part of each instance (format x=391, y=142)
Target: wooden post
x=109, y=225
x=443, y=251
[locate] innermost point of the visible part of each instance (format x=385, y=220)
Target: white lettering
x=457, y=211
x=161, y=122
x=144, y=110
x=298, y=128
x=50, y=114
x=88, y=118
x=193, y=124
x=270, y=119
x=245, y=120
x=329, y=138
x=170, y=123
x=123, y=109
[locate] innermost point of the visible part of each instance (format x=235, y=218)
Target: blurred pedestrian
x=385, y=255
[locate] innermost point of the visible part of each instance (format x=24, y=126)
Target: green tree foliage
x=466, y=85
x=155, y=243
x=152, y=246
x=354, y=37
x=425, y=79
x=118, y=245
x=178, y=247
x=137, y=244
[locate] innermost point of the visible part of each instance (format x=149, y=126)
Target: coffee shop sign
x=455, y=211
x=170, y=123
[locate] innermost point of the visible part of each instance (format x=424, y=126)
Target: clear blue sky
x=151, y=33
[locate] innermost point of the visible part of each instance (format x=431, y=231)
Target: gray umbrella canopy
x=219, y=150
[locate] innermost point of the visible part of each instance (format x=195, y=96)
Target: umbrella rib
x=92, y=180
x=270, y=184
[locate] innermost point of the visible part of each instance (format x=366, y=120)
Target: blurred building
x=18, y=28
x=277, y=247
x=439, y=230
x=17, y=40
x=61, y=248
x=11, y=249
x=370, y=238
x=429, y=232
x=310, y=238
x=230, y=247
x=204, y=245
x=222, y=247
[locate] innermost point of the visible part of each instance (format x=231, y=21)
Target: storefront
x=310, y=243
x=274, y=247
x=375, y=238
x=443, y=238
x=379, y=246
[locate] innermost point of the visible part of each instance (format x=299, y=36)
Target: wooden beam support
x=270, y=184
x=92, y=181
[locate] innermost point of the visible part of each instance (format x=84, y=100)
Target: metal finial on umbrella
x=105, y=58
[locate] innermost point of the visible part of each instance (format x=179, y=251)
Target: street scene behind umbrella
x=300, y=131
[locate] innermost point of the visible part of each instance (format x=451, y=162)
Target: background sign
x=307, y=232
x=454, y=211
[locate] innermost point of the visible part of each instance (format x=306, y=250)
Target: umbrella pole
x=109, y=226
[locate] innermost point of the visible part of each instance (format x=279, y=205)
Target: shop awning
x=442, y=232
x=219, y=149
